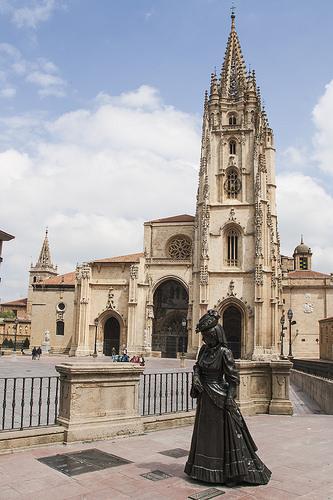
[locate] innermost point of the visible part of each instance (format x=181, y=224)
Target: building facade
x=226, y=257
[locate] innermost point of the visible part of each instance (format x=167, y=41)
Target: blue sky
x=67, y=64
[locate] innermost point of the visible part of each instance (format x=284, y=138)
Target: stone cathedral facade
x=226, y=257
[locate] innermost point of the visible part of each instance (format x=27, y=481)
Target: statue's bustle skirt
x=222, y=449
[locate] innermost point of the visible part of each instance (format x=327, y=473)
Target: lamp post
x=182, y=357
x=15, y=333
x=290, y=317
x=184, y=322
x=282, y=321
x=95, y=345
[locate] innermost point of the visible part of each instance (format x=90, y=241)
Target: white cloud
x=42, y=73
x=8, y=92
x=294, y=157
x=93, y=177
x=50, y=84
x=323, y=140
x=304, y=207
x=31, y=13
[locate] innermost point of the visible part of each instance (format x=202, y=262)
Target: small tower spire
x=233, y=73
x=233, y=17
x=44, y=260
x=44, y=268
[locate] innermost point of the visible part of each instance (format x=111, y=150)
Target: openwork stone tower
x=236, y=262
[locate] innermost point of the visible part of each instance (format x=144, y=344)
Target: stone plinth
x=264, y=387
x=99, y=400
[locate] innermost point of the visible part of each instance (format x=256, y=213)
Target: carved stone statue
x=222, y=449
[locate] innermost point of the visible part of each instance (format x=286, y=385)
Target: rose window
x=180, y=248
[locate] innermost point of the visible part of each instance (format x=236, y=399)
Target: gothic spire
x=44, y=262
x=233, y=73
x=45, y=255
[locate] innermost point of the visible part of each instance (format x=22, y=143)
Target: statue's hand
x=197, y=383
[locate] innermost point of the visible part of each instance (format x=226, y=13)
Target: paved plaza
x=23, y=366
x=298, y=450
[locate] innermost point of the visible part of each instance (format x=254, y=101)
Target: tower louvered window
x=303, y=263
x=232, y=248
x=232, y=147
x=232, y=121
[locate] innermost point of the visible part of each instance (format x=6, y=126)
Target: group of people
x=36, y=353
x=124, y=357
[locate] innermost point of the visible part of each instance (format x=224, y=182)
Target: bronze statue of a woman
x=222, y=449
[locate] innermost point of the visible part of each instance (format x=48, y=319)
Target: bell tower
x=43, y=268
x=236, y=259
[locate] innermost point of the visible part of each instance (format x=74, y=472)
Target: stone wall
x=317, y=388
x=264, y=387
x=326, y=339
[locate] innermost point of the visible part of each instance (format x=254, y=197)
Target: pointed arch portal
x=111, y=336
x=170, y=312
x=232, y=324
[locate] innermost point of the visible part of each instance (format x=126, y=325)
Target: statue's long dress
x=222, y=449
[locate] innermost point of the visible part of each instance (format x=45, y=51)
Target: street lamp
x=290, y=317
x=184, y=322
x=282, y=321
x=15, y=333
x=95, y=348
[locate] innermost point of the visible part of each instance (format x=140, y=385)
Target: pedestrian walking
x=34, y=353
x=39, y=352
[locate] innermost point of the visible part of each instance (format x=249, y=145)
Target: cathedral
x=227, y=256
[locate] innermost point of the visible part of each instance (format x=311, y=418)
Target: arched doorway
x=111, y=336
x=232, y=324
x=169, y=334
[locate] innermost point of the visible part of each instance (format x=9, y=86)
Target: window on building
x=232, y=147
x=35, y=279
x=232, y=248
x=232, y=120
x=180, y=248
x=303, y=263
x=60, y=330
x=232, y=184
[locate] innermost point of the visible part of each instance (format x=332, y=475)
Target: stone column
x=280, y=403
x=82, y=336
x=99, y=400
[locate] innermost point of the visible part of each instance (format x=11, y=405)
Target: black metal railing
x=166, y=392
x=28, y=402
x=319, y=368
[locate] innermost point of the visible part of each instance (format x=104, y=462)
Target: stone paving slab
x=298, y=450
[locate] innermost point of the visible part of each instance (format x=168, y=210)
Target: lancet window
x=232, y=120
x=232, y=248
x=60, y=330
x=232, y=147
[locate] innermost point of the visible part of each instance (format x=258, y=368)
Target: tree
x=7, y=314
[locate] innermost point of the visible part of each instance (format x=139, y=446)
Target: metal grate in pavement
x=73, y=464
x=175, y=453
x=207, y=494
x=155, y=475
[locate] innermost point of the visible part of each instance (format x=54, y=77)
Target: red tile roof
x=306, y=275
x=66, y=279
x=18, y=302
x=133, y=257
x=175, y=218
